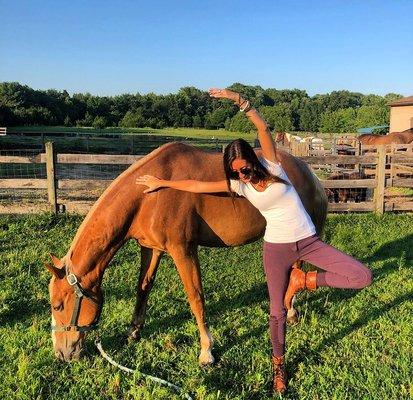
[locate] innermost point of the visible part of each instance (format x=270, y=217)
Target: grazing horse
x=394, y=137
x=343, y=195
x=407, y=135
x=314, y=142
x=165, y=220
x=285, y=139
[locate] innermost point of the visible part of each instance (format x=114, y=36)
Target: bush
x=239, y=123
x=99, y=122
x=132, y=119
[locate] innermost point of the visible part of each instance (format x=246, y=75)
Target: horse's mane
x=114, y=185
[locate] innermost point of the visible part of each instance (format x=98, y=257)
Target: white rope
x=126, y=369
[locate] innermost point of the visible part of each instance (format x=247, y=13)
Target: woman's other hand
x=224, y=94
x=150, y=181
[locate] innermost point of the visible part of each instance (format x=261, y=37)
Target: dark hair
x=239, y=148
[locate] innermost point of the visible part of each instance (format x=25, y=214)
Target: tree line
x=284, y=110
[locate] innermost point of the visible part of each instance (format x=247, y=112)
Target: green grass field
x=348, y=344
x=179, y=132
x=115, y=140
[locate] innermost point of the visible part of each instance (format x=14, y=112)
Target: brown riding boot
x=279, y=383
x=299, y=280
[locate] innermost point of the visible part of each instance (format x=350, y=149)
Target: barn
x=401, y=114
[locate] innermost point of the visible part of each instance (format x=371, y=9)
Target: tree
x=340, y=121
x=310, y=115
x=279, y=117
x=239, y=123
x=284, y=109
x=216, y=118
x=99, y=122
x=87, y=121
x=133, y=119
x=372, y=115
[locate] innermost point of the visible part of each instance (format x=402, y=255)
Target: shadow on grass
x=258, y=294
x=22, y=311
x=308, y=355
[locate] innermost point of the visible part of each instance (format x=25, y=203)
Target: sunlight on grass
x=348, y=344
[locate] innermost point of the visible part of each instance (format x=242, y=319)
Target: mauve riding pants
x=340, y=271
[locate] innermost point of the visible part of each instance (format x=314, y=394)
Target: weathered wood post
x=293, y=147
x=381, y=179
x=51, y=176
x=392, y=169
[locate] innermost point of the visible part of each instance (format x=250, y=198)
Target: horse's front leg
x=187, y=263
x=150, y=259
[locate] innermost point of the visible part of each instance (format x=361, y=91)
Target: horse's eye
x=59, y=307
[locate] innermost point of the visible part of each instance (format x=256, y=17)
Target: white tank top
x=281, y=206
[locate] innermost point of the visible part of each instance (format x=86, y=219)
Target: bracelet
x=246, y=108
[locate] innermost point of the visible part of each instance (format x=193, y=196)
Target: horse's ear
x=56, y=261
x=59, y=273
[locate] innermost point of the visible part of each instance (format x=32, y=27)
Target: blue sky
x=113, y=47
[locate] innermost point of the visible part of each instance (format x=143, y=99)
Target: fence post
x=51, y=176
x=293, y=148
x=381, y=179
x=392, y=169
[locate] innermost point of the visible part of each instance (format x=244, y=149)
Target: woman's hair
x=239, y=148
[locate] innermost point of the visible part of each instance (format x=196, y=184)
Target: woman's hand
x=225, y=94
x=152, y=182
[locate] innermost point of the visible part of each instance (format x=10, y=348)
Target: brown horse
x=166, y=220
x=404, y=137
x=407, y=135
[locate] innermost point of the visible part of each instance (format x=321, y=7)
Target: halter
x=80, y=294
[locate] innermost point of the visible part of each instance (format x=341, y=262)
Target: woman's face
x=243, y=168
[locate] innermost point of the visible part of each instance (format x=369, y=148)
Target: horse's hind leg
x=150, y=259
x=187, y=264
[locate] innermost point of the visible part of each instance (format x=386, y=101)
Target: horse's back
x=213, y=219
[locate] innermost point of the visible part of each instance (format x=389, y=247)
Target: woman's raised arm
x=268, y=145
x=193, y=186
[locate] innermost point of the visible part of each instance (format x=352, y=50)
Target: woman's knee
x=363, y=278
x=279, y=315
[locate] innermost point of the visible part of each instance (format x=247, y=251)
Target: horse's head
x=280, y=137
x=76, y=307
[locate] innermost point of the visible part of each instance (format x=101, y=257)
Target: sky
x=111, y=47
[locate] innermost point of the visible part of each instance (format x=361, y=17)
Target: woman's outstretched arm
x=193, y=186
x=268, y=145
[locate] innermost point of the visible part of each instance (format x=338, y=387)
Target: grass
x=399, y=191
x=348, y=345
x=115, y=140
x=179, y=132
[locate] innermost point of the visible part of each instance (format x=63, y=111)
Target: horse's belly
x=221, y=224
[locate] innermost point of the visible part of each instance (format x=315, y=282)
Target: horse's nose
x=68, y=354
x=59, y=355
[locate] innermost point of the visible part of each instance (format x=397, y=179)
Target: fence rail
x=386, y=167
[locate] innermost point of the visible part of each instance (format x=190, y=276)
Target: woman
x=290, y=234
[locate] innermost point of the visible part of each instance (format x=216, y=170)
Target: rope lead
x=126, y=369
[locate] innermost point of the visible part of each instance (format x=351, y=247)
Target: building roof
x=371, y=129
x=404, y=101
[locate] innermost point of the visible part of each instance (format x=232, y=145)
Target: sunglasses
x=246, y=171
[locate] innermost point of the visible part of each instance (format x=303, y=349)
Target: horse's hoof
x=292, y=317
x=206, y=359
x=134, y=334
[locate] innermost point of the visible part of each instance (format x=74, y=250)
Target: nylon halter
x=80, y=294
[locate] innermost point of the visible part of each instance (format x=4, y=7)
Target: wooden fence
x=384, y=168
